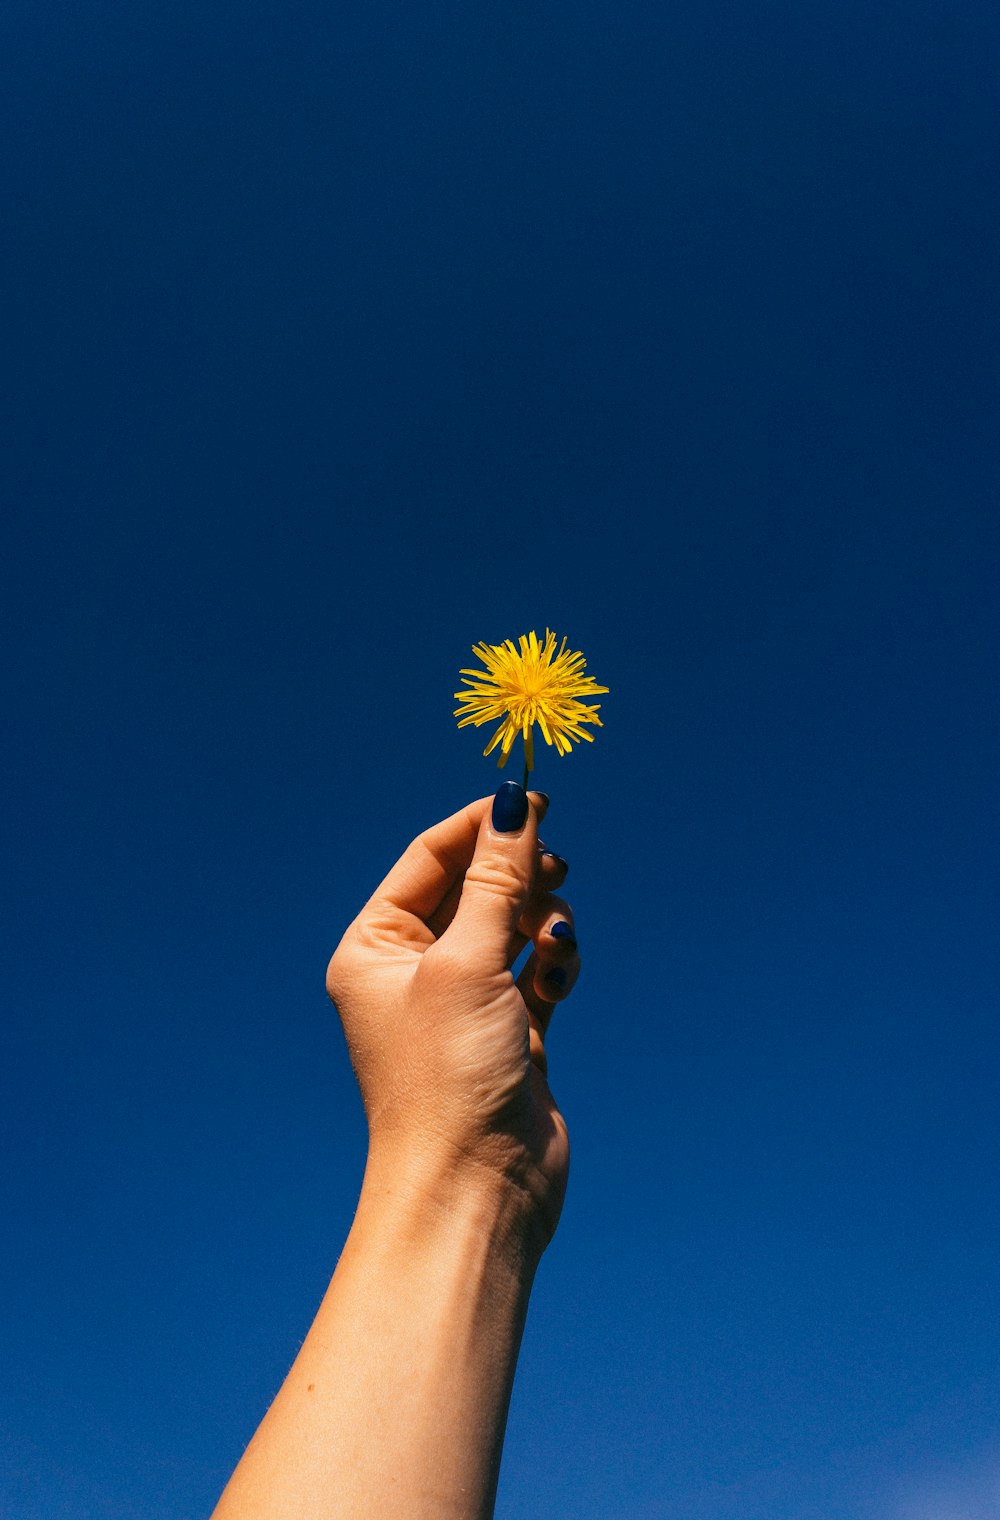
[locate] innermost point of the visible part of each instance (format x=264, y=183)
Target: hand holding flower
x=446, y=1045
x=396, y=1403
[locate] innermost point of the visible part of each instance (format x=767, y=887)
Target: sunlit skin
x=396, y=1404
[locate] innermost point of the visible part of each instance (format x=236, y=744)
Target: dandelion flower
x=525, y=685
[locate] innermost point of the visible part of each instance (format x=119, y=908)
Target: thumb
x=498, y=882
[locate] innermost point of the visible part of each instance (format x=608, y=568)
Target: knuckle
x=497, y=875
x=374, y=929
x=537, y=1050
x=340, y=970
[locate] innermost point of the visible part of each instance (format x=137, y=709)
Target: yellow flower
x=533, y=684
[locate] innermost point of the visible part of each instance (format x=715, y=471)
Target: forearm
x=397, y=1402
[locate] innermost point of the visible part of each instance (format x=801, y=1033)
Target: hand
x=447, y=1047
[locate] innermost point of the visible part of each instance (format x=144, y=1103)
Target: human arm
x=397, y=1401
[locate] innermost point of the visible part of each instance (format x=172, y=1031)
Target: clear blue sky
x=336, y=339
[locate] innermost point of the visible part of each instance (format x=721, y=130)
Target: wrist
x=430, y=1199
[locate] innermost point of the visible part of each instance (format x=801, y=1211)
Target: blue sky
x=338, y=339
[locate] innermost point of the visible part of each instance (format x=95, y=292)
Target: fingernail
x=563, y=930
x=556, y=977
x=544, y=795
x=510, y=808
x=557, y=858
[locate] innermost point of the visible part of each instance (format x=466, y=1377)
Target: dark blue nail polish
x=510, y=808
x=564, y=931
x=557, y=858
x=556, y=977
